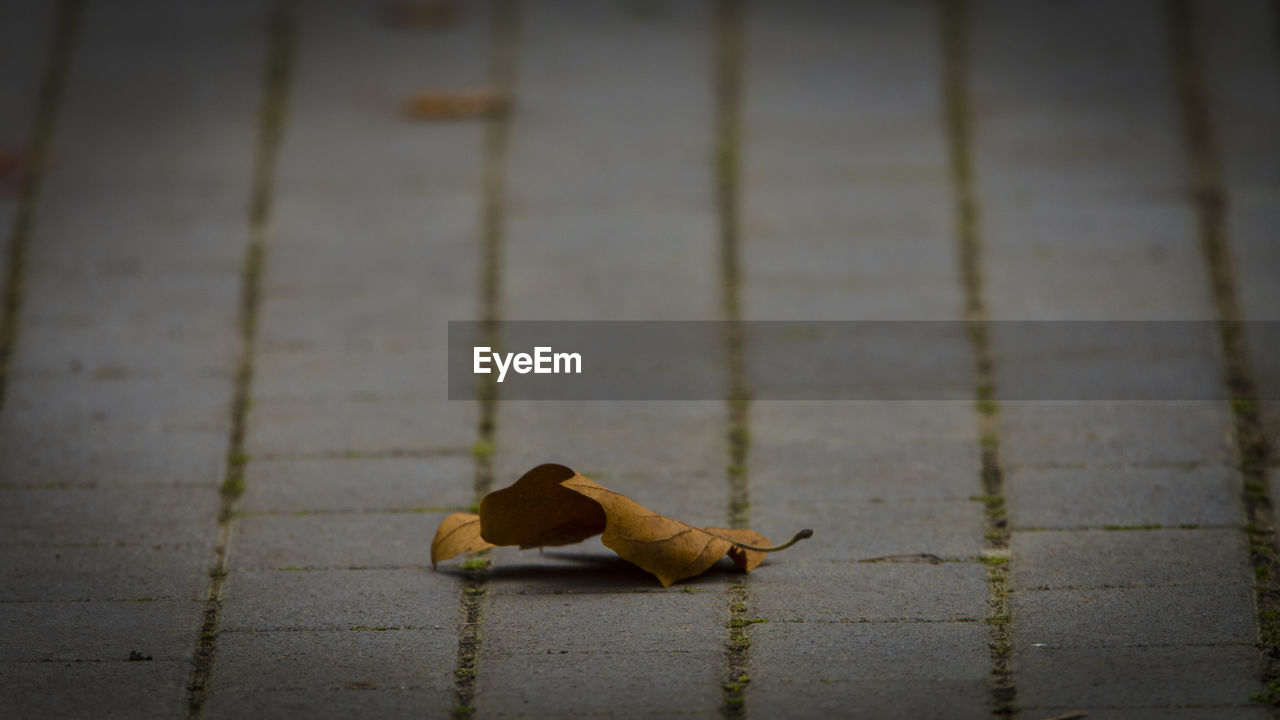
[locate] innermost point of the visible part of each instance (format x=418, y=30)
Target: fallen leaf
x=430, y=14
x=456, y=104
x=459, y=533
x=539, y=510
x=553, y=505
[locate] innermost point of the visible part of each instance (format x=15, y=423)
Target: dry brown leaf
x=429, y=14
x=456, y=104
x=540, y=511
x=458, y=533
x=553, y=505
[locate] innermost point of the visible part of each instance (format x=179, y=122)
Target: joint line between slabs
x=958, y=117
x=1254, y=452
x=728, y=62
x=62, y=45
x=277, y=75
x=473, y=599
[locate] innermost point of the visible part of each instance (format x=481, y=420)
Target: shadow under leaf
x=584, y=572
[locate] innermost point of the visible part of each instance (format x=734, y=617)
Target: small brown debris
x=456, y=105
x=421, y=15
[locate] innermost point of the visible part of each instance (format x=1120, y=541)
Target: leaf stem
x=803, y=534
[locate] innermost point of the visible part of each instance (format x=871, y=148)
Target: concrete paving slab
x=358, y=484
x=345, y=426
x=856, y=531
x=99, y=631
x=139, y=516
x=1247, y=712
x=551, y=655
x=1115, y=433
x=157, y=688
x=1092, y=618
x=881, y=669
x=1132, y=496
x=333, y=541
x=102, y=573
x=333, y=674
x=1122, y=676
x=97, y=455
x=1101, y=558
x=268, y=600
x=787, y=589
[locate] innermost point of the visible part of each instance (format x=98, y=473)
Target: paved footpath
x=224, y=443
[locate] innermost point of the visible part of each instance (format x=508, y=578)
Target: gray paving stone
x=74, y=344
x=358, y=484
x=1082, y=216
x=96, y=455
x=25, y=39
x=1093, y=558
x=338, y=599
x=670, y=622
x=1237, y=50
x=371, y=376
x=99, y=631
x=845, y=203
x=644, y=248
x=373, y=244
x=1205, y=614
x=1055, y=115
x=25, y=42
x=308, y=427
x=338, y=266
x=1120, y=677
x=354, y=699
x=1238, y=712
x=1236, y=54
x=197, y=303
x=786, y=589
x=899, y=670
x=385, y=319
x=861, y=452
x=665, y=58
x=126, y=350
x=1065, y=498
x=112, y=398
x=103, y=572
x=663, y=268
x=333, y=674
x=655, y=210
x=1094, y=262
x=94, y=689
x=558, y=656
x=143, y=515
x=858, y=531
x=1150, y=362
x=1114, y=433
x=333, y=541
x=615, y=436
x=128, y=179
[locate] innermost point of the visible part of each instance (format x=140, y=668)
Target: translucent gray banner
x=554, y=360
